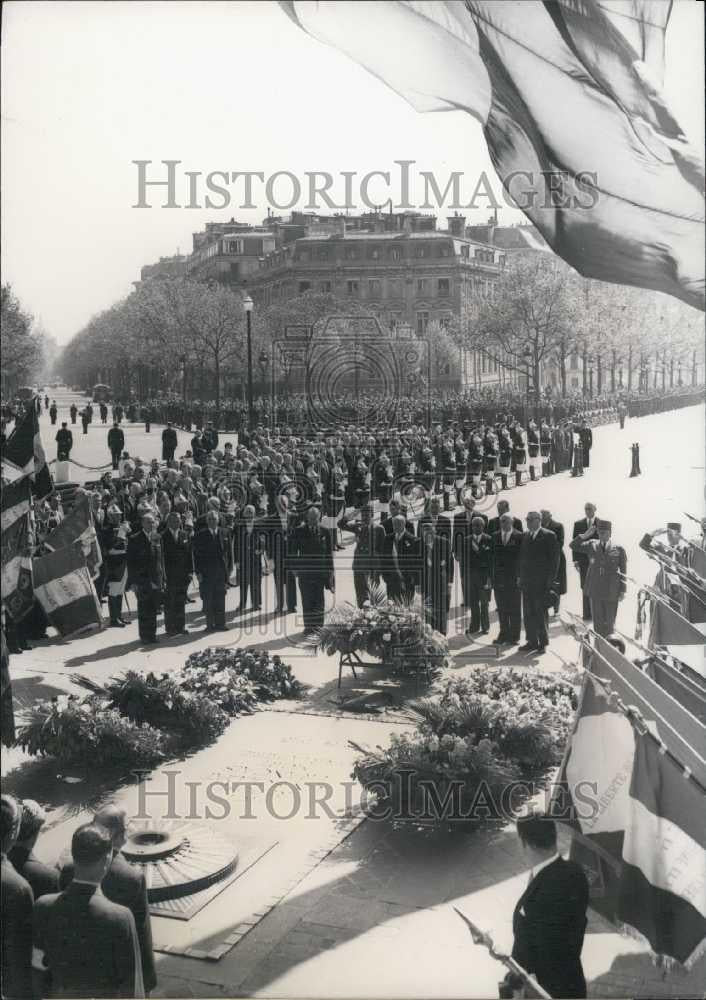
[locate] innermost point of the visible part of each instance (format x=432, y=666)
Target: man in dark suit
x=558, y=529
x=123, y=884
x=85, y=945
x=16, y=902
x=169, y=442
x=400, y=561
x=116, y=443
x=586, y=528
x=494, y=522
x=279, y=529
x=477, y=564
x=145, y=572
x=436, y=572
x=249, y=548
x=462, y=530
x=210, y=437
x=41, y=877
x=397, y=507
x=64, y=443
x=549, y=921
x=178, y=567
x=313, y=561
x=212, y=566
x=508, y=597
x=367, y=555
x=433, y=516
x=538, y=568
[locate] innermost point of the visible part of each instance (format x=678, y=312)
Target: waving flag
x=680, y=637
x=569, y=96
x=14, y=501
x=23, y=455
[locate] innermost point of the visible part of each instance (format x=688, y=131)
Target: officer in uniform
x=605, y=579
x=64, y=443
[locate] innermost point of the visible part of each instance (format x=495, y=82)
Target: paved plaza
x=327, y=902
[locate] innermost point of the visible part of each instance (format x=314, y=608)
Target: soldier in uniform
x=605, y=580
x=103, y=412
x=585, y=528
x=367, y=554
x=53, y=411
x=169, y=442
x=533, y=446
x=73, y=410
x=64, y=443
x=116, y=443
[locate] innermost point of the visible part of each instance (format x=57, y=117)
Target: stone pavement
x=338, y=907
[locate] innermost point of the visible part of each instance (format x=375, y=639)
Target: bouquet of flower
x=88, y=731
x=391, y=632
x=248, y=671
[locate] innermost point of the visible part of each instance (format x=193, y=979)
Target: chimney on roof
x=456, y=224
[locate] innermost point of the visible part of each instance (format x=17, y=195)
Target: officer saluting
x=605, y=580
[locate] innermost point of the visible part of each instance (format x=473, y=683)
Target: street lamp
x=182, y=361
x=590, y=376
x=248, y=307
x=527, y=355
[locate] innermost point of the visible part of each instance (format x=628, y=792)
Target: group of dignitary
x=279, y=505
x=80, y=928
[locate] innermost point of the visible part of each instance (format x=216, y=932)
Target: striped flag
x=16, y=571
x=77, y=528
x=14, y=501
x=633, y=810
x=63, y=587
x=569, y=95
x=23, y=455
x=663, y=880
x=680, y=637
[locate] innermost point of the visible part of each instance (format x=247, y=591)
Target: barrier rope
x=91, y=468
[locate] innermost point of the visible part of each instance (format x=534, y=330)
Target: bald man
x=124, y=884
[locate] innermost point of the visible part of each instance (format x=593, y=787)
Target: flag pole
x=485, y=940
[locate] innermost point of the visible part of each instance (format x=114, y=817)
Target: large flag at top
x=23, y=454
x=569, y=93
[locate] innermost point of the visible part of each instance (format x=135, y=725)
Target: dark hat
x=674, y=526
x=604, y=525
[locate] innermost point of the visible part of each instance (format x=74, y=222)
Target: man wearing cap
x=169, y=442
x=605, y=578
x=116, y=443
x=64, y=443
x=673, y=547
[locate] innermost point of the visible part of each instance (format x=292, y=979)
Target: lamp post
x=527, y=355
x=590, y=376
x=182, y=360
x=248, y=306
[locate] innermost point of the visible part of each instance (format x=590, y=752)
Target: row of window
x=393, y=253
x=425, y=286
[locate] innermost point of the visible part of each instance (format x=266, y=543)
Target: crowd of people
x=277, y=504
x=81, y=927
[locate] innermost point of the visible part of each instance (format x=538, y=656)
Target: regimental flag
x=63, y=587
x=77, y=529
x=637, y=816
x=23, y=455
x=684, y=685
x=663, y=879
x=569, y=95
x=680, y=637
x=14, y=501
x=16, y=582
